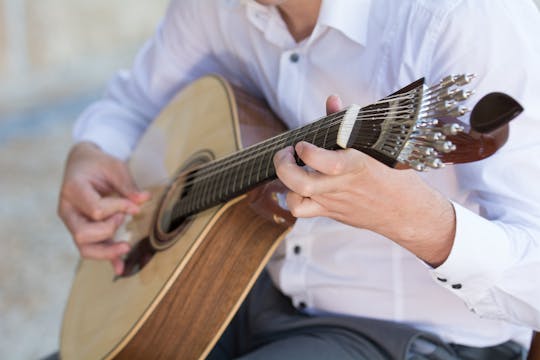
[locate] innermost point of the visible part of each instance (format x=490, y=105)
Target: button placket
x=289, y=86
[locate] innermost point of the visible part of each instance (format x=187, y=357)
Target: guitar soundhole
x=167, y=225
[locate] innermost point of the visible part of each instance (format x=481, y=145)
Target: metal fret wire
x=222, y=167
x=215, y=167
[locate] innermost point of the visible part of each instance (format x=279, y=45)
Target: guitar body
x=193, y=262
x=181, y=300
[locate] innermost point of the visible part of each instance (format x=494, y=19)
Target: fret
x=244, y=166
x=326, y=136
x=221, y=183
x=216, y=176
x=261, y=161
x=236, y=167
x=316, y=132
x=269, y=163
x=207, y=195
x=187, y=202
x=196, y=194
x=254, y=160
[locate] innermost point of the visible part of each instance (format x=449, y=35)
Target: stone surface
x=38, y=257
x=3, y=42
x=63, y=32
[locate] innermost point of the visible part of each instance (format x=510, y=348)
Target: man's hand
x=351, y=187
x=96, y=193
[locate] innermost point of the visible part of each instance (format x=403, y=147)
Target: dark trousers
x=268, y=327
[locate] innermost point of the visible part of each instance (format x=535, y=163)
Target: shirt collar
x=350, y=17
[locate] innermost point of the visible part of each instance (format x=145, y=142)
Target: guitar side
x=181, y=301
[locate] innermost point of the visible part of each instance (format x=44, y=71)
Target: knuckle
x=294, y=210
x=96, y=213
x=79, y=236
x=338, y=167
x=306, y=189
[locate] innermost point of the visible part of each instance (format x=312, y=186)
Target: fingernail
x=300, y=147
x=143, y=196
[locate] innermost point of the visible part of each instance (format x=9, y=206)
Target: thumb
x=333, y=104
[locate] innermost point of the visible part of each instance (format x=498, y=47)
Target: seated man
x=442, y=263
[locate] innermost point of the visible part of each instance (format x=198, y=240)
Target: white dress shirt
x=487, y=291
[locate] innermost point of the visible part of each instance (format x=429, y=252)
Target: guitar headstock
x=418, y=127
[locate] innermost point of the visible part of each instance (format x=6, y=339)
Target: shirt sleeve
x=178, y=53
x=495, y=260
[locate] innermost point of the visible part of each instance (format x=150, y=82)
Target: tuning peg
x=452, y=129
x=458, y=111
x=465, y=79
x=435, y=136
x=448, y=81
x=434, y=163
x=426, y=150
x=444, y=146
x=463, y=95
x=417, y=165
x=445, y=106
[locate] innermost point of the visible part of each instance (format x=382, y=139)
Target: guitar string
x=221, y=167
x=244, y=155
x=270, y=142
x=210, y=169
x=306, y=130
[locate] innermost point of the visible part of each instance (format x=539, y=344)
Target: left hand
x=353, y=188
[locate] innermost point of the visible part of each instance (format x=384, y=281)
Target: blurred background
x=55, y=57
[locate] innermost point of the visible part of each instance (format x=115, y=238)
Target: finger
x=106, y=250
x=85, y=198
x=331, y=162
x=302, y=207
x=118, y=265
x=333, y=104
x=84, y=231
x=93, y=232
x=123, y=183
x=298, y=179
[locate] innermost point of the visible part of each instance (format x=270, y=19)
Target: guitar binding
x=168, y=226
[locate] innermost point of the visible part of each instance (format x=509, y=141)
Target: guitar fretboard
x=240, y=172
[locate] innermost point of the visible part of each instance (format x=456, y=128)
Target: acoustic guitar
x=215, y=216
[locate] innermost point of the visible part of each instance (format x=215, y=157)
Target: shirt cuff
x=480, y=254
x=110, y=140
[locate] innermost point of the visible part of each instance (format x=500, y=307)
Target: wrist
x=432, y=238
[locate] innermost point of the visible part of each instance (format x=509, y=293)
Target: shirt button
x=442, y=279
x=297, y=249
x=456, y=286
x=302, y=305
x=294, y=57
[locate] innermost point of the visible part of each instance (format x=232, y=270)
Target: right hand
x=96, y=194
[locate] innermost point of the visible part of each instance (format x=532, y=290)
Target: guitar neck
x=224, y=179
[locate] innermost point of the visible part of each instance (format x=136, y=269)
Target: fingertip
x=118, y=266
x=122, y=248
x=333, y=104
x=140, y=197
